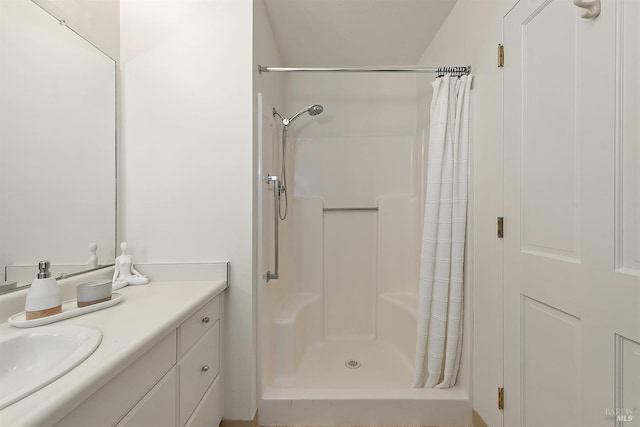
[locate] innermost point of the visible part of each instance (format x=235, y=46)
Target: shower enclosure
x=337, y=334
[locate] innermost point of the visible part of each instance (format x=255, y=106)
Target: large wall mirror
x=57, y=147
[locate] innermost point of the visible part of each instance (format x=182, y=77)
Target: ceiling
x=355, y=32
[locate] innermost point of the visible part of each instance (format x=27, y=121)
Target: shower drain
x=352, y=364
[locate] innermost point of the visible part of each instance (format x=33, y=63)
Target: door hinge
x=500, y=227
x=500, y=55
x=500, y=398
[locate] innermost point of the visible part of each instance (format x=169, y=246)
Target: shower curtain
x=439, y=341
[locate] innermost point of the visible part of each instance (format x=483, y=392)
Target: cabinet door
x=208, y=413
x=107, y=405
x=158, y=408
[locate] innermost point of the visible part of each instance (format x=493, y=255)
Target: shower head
x=313, y=110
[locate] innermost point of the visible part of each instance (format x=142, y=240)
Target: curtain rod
x=400, y=69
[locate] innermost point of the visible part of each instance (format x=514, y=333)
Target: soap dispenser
x=43, y=298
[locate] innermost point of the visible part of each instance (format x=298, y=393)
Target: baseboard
x=477, y=421
x=240, y=423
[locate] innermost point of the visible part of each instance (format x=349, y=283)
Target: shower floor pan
x=327, y=392
x=360, y=364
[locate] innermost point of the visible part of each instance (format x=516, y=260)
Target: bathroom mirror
x=57, y=147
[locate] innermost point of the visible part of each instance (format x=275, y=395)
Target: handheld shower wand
x=313, y=110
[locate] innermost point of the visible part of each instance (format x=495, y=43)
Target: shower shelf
x=375, y=208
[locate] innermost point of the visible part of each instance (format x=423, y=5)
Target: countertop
x=129, y=329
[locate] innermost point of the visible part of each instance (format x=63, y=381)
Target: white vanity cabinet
x=175, y=384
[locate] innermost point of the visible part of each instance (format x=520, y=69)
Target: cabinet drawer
x=194, y=327
x=158, y=408
x=107, y=405
x=209, y=410
x=197, y=370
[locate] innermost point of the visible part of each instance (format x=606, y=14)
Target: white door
x=572, y=216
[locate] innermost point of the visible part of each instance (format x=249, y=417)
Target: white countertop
x=129, y=329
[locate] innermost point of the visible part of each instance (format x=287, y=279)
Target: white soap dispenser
x=43, y=298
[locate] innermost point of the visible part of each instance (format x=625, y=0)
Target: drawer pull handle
x=205, y=368
x=206, y=319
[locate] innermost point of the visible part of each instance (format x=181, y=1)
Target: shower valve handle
x=278, y=187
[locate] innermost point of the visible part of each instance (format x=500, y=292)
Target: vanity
x=159, y=364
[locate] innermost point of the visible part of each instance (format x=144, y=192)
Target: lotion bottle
x=43, y=298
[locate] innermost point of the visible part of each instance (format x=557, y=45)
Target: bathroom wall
x=360, y=152
x=356, y=104
x=470, y=36
x=266, y=52
x=186, y=169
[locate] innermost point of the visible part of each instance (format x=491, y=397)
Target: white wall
x=356, y=104
x=266, y=52
x=470, y=36
x=186, y=166
x=366, y=116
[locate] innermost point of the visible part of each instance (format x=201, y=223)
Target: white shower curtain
x=439, y=342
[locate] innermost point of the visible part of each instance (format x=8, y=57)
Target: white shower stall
x=337, y=330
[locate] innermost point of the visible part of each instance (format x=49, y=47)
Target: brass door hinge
x=500, y=227
x=500, y=398
x=500, y=55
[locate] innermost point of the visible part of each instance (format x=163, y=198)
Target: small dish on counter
x=93, y=292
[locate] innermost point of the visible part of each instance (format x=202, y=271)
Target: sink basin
x=29, y=360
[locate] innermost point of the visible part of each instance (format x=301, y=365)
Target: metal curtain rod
x=401, y=69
